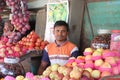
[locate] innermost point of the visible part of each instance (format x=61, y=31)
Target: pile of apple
x=58, y=72
x=55, y=72
x=98, y=62
x=11, y=50
x=33, y=41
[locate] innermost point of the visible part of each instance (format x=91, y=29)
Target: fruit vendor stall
x=98, y=41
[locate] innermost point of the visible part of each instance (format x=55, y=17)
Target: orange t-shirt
x=60, y=54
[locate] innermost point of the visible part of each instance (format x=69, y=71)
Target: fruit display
x=59, y=73
x=11, y=66
x=98, y=62
x=13, y=50
x=19, y=19
x=33, y=41
x=101, y=41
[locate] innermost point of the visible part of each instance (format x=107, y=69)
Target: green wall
x=103, y=15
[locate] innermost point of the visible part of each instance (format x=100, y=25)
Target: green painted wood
x=103, y=15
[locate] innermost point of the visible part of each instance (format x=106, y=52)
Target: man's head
x=60, y=31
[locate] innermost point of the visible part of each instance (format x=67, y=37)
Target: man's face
x=60, y=33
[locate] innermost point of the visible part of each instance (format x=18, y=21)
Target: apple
x=2, y=54
x=88, y=57
x=81, y=65
x=88, y=50
x=54, y=67
x=20, y=77
x=67, y=71
x=53, y=75
x=2, y=50
x=61, y=69
x=100, y=50
x=80, y=59
x=10, y=52
x=66, y=78
x=105, y=67
x=74, y=64
x=48, y=68
x=98, y=62
x=58, y=76
x=111, y=60
x=89, y=64
x=96, y=53
x=46, y=73
x=86, y=73
x=16, y=48
x=89, y=69
x=96, y=74
x=75, y=73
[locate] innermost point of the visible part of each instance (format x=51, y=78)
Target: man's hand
x=42, y=67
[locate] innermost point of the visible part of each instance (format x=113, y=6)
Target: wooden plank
x=41, y=22
x=75, y=20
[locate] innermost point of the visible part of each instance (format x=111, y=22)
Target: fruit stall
x=99, y=57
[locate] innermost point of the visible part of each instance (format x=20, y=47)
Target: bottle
x=12, y=67
x=115, y=40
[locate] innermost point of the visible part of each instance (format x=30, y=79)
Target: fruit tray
x=31, y=53
x=115, y=77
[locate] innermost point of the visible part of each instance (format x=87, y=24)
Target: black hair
x=61, y=23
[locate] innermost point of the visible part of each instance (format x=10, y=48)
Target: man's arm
x=44, y=62
x=75, y=52
x=42, y=67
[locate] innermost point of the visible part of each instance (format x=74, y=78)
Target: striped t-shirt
x=59, y=54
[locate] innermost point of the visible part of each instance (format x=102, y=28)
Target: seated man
x=60, y=50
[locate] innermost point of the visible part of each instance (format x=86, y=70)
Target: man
x=60, y=50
